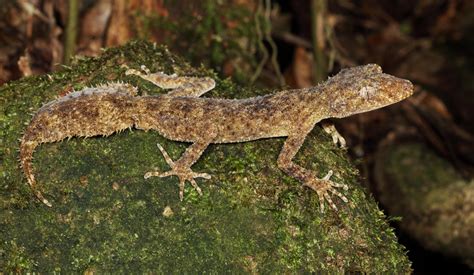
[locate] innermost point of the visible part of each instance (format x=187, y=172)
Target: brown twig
x=318, y=10
x=71, y=31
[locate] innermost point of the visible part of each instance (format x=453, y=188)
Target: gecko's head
x=364, y=88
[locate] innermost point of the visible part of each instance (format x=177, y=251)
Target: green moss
x=432, y=197
x=106, y=217
x=219, y=34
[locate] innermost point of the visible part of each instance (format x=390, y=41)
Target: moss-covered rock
x=432, y=197
x=106, y=217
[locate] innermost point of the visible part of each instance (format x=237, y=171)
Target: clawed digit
x=194, y=184
x=335, y=192
x=183, y=173
x=168, y=159
x=323, y=187
x=329, y=200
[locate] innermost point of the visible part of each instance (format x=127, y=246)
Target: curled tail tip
x=26, y=155
x=42, y=199
x=47, y=203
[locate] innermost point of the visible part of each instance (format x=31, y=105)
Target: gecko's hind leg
x=182, y=167
x=324, y=187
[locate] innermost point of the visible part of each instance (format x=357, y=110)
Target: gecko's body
x=182, y=115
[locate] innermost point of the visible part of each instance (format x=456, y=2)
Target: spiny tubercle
x=182, y=115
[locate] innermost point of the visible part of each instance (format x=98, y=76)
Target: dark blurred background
x=426, y=141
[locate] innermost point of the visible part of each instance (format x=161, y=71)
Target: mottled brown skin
x=181, y=115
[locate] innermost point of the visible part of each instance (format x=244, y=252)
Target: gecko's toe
x=329, y=200
x=183, y=175
x=201, y=175
x=147, y=175
x=181, y=189
x=145, y=69
x=150, y=174
x=324, y=188
x=159, y=174
x=328, y=175
x=196, y=187
x=341, y=196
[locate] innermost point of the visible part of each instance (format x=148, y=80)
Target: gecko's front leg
x=336, y=137
x=182, y=167
x=182, y=85
x=323, y=187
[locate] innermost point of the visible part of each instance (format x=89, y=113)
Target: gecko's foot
x=324, y=187
x=336, y=137
x=183, y=173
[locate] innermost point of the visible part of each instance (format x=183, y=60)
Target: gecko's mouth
x=406, y=88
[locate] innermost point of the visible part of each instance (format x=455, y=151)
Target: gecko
x=183, y=115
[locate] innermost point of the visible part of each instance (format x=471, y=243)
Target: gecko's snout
x=365, y=88
x=394, y=89
x=407, y=88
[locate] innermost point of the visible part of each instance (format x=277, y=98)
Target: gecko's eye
x=367, y=92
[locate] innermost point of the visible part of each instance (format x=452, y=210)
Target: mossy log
x=432, y=197
x=107, y=217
